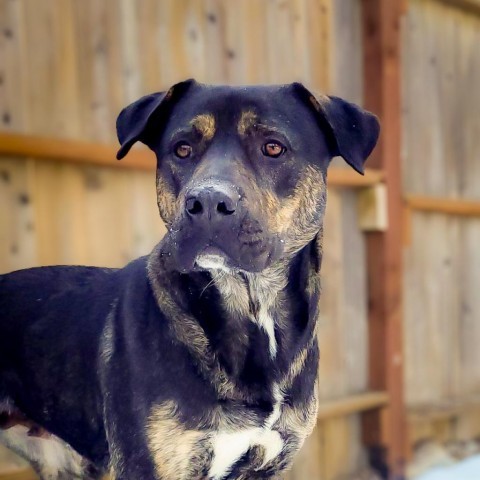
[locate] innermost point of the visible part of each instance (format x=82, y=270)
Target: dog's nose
x=211, y=203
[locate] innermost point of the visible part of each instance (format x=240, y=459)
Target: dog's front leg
x=130, y=460
x=129, y=455
x=252, y=466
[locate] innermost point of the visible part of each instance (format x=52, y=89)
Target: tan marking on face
x=205, y=124
x=294, y=217
x=176, y=450
x=247, y=121
x=167, y=202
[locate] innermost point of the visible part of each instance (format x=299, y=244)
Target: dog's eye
x=183, y=150
x=273, y=149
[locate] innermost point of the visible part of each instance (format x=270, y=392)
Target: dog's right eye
x=183, y=150
x=273, y=149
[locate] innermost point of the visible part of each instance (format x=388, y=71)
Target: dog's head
x=241, y=170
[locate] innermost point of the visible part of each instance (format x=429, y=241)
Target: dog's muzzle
x=217, y=225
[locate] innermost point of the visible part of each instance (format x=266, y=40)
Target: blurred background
x=400, y=312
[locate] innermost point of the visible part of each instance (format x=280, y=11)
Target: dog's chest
x=230, y=446
x=216, y=453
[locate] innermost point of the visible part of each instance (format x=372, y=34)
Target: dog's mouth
x=189, y=249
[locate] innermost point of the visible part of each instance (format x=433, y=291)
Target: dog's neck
x=253, y=325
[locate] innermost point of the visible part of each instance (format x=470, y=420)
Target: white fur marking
x=277, y=408
x=211, y=262
x=229, y=447
x=273, y=443
x=266, y=322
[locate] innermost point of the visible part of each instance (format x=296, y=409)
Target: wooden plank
x=445, y=409
x=319, y=21
x=308, y=461
x=468, y=5
x=457, y=421
x=18, y=232
x=75, y=151
x=13, y=144
x=336, y=439
x=23, y=474
x=445, y=205
x=385, y=429
x=331, y=323
x=352, y=404
x=342, y=177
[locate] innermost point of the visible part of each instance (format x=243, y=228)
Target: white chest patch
x=228, y=447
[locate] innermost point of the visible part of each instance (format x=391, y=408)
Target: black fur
x=89, y=353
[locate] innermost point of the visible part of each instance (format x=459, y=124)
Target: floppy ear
x=136, y=122
x=351, y=131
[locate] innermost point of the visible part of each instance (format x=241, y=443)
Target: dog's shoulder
x=50, y=280
x=26, y=293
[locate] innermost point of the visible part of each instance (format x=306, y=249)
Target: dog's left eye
x=183, y=150
x=273, y=149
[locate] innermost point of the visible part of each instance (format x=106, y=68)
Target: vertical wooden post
x=385, y=430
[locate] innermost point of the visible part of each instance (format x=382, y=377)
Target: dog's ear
x=351, y=131
x=138, y=121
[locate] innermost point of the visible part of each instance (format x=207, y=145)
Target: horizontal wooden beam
x=87, y=153
x=448, y=206
x=469, y=5
x=19, y=474
x=444, y=410
x=26, y=474
x=360, y=402
x=72, y=151
x=343, y=177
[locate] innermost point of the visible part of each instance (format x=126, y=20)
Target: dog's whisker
x=216, y=277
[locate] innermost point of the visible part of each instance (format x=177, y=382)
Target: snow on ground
x=468, y=469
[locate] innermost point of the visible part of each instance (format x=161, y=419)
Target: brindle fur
x=187, y=365
x=205, y=125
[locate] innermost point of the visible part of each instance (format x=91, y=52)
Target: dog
x=198, y=361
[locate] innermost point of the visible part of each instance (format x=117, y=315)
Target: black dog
x=198, y=361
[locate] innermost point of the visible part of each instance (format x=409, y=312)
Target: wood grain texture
x=73, y=151
x=352, y=404
x=101, y=154
x=448, y=206
x=25, y=474
x=441, y=177
x=472, y=6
